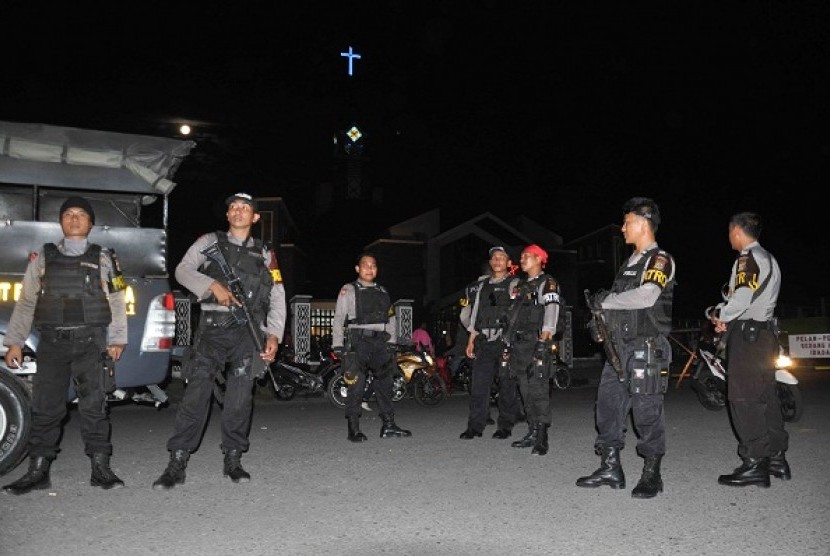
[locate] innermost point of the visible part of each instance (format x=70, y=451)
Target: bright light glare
x=783, y=361
x=184, y=129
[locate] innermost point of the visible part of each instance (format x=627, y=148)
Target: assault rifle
x=241, y=314
x=604, y=337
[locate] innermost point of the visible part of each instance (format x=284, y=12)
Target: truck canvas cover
x=73, y=158
x=117, y=172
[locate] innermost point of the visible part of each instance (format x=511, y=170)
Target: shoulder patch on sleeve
x=32, y=255
x=659, y=269
x=747, y=272
x=344, y=290
x=551, y=285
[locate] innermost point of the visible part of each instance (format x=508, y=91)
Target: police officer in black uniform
x=638, y=311
x=364, y=336
x=531, y=324
x=747, y=320
x=221, y=339
x=73, y=293
x=486, y=322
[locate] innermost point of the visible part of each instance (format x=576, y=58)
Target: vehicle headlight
x=783, y=361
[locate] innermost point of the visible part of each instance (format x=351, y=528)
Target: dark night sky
x=565, y=112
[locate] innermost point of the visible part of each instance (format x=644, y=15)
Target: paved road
x=313, y=492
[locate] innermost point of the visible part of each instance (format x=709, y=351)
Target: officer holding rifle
x=230, y=333
x=638, y=318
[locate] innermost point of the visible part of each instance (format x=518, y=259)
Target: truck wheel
x=15, y=421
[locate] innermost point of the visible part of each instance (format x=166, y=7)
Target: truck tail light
x=160, y=326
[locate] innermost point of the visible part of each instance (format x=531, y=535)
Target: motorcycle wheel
x=561, y=377
x=464, y=375
x=709, y=394
x=792, y=403
x=15, y=421
x=430, y=391
x=336, y=390
x=398, y=386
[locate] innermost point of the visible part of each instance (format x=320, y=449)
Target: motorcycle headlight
x=783, y=361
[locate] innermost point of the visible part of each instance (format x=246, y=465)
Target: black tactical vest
x=531, y=310
x=651, y=321
x=71, y=292
x=371, y=304
x=493, y=302
x=249, y=266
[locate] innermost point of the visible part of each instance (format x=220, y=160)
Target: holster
x=648, y=366
x=189, y=359
x=505, y=369
x=107, y=372
x=539, y=370
x=750, y=330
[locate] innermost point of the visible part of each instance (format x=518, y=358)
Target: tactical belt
x=67, y=333
x=490, y=333
x=366, y=332
x=762, y=324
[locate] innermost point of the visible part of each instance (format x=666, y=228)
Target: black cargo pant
x=534, y=388
x=64, y=355
x=753, y=401
x=370, y=351
x=614, y=402
x=215, y=348
x=485, y=368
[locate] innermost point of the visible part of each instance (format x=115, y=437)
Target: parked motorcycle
x=288, y=377
x=709, y=376
x=561, y=376
x=415, y=376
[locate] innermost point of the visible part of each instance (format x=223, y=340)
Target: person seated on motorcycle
x=422, y=340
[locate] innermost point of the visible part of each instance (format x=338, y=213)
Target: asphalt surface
x=313, y=492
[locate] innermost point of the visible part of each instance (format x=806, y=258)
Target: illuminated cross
x=351, y=56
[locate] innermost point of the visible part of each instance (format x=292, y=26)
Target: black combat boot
x=469, y=433
x=502, y=434
x=650, y=482
x=753, y=471
x=778, y=466
x=174, y=474
x=610, y=471
x=354, y=429
x=102, y=476
x=36, y=478
x=540, y=447
x=390, y=429
x=529, y=439
x=233, y=467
